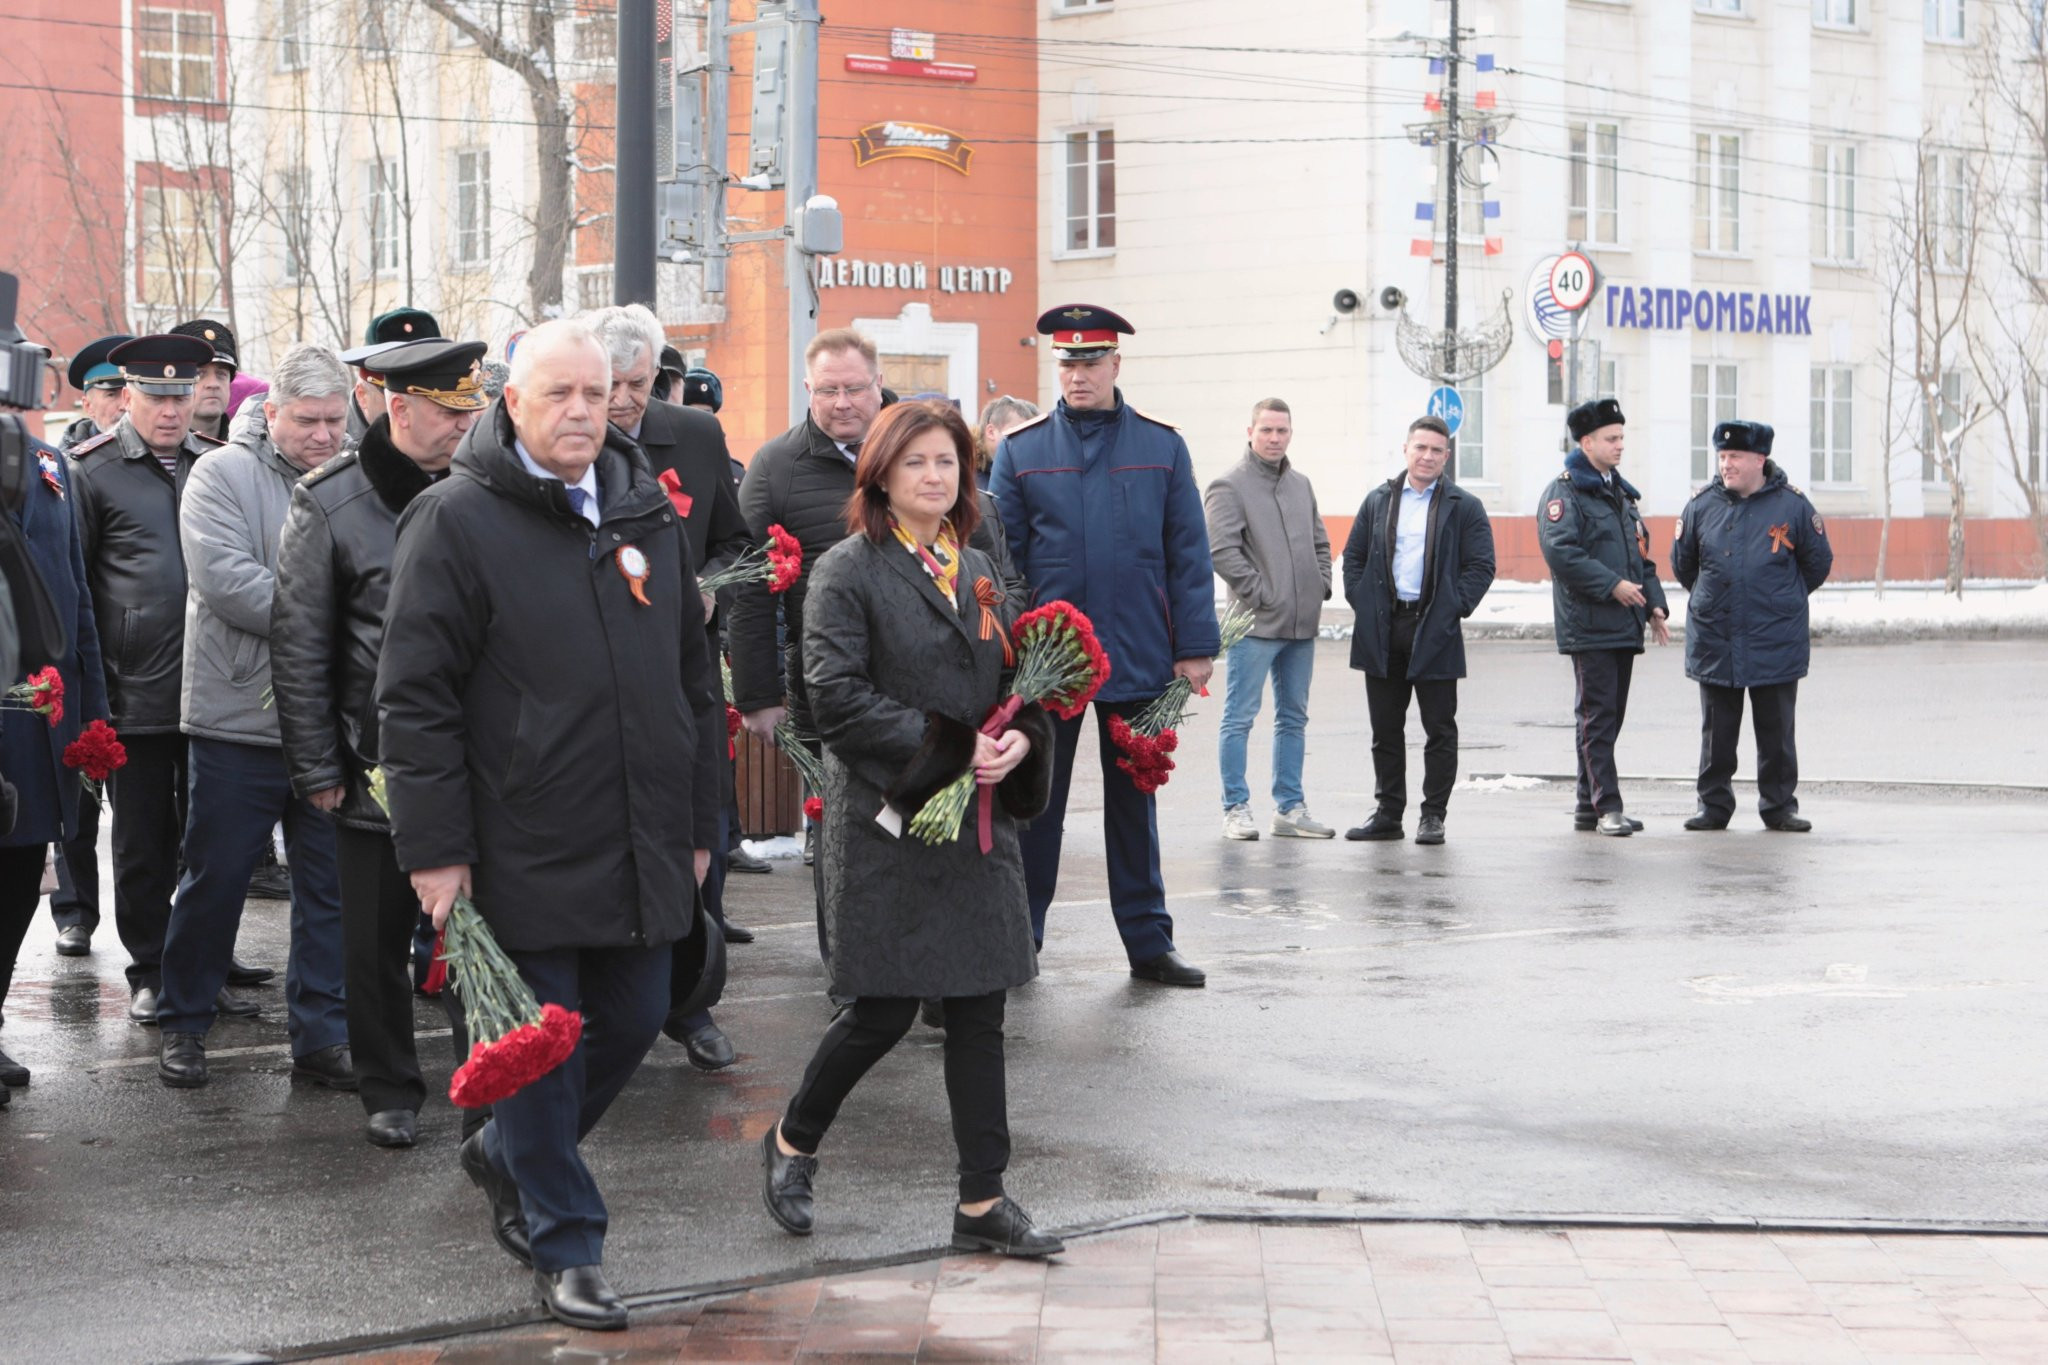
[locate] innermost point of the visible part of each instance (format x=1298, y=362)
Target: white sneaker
x=1237, y=823
x=1297, y=823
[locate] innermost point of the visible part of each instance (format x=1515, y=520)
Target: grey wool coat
x=899, y=681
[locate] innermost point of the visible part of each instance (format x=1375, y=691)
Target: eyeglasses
x=833, y=395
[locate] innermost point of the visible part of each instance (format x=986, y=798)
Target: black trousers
x=149, y=825
x=378, y=913
x=1386, y=703
x=863, y=1034
x=77, y=898
x=21, y=891
x=1777, y=758
x=1602, y=677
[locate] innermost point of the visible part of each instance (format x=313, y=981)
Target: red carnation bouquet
x=1149, y=741
x=42, y=693
x=96, y=753
x=517, y=1039
x=779, y=565
x=1061, y=666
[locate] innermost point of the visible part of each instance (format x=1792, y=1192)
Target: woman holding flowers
x=907, y=652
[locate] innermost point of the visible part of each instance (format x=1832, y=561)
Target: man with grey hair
x=1002, y=416
x=234, y=507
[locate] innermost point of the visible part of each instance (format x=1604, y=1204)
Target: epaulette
x=208, y=442
x=324, y=470
x=1029, y=422
x=1156, y=421
x=1796, y=488
x=94, y=443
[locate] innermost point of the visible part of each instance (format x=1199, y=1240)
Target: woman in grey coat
x=904, y=656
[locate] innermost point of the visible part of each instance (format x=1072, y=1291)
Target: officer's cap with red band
x=1082, y=330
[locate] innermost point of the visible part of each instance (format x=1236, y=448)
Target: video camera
x=31, y=633
x=22, y=365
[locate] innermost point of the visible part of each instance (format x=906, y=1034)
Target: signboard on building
x=894, y=66
x=849, y=272
x=1647, y=308
x=912, y=45
x=879, y=141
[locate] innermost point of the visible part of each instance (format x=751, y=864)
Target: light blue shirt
x=1411, y=539
x=588, y=483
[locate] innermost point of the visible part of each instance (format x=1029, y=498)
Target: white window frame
x=469, y=207
x=1945, y=21
x=383, y=225
x=1831, y=412
x=186, y=63
x=294, y=209
x=1062, y=9
x=1715, y=397
x=1842, y=15
x=1471, y=437
x=1834, y=203
x=374, y=31
x=1717, y=193
x=1724, y=8
x=1948, y=186
x=597, y=34
x=1593, y=182
x=2037, y=435
x=294, y=31
x=176, y=239
x=1092, y=213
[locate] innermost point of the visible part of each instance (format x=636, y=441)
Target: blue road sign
x=1446, y=403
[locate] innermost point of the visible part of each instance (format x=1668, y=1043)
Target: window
x=597, y=34
x=1832, y=416
x=176, y=48
x=1713, y=402
x=471, y=238
x=1594, y=184
x=375, y=32
x=293, y=29
x=381, y=208
x=1718, y=6
x=1834, y=202
x=1717, y=192
x=1595, y=374
x=1946, y=177
x=294, y=212
x=2040, y=214
x=1089, y=206
x=1472, y=432
x=1078, y=6
x=1835, y=13
x=1944, y=20
x=180, y=246
x=1951, y=418
x=2037, y=434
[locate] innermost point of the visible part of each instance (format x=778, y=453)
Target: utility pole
x=633, y=220
x=1453, y=179
x=801, y=133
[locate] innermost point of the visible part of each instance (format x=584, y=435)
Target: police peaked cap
x=1587, y=418
x=1081, y=330
x=166, y=364
x=91, y=368
x=1754, y=437
x=216, y=335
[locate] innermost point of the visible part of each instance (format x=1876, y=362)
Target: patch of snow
x=1506, y=782
x=785, y=846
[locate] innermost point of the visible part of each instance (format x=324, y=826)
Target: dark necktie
x=578, y=500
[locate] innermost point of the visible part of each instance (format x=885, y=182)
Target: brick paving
x=1219, y=1293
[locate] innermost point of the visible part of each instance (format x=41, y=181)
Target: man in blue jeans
x=1269, y=545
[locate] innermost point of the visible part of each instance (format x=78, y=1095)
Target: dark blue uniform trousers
x=76, y=900
x=532, y=1136
x=1777, y=755
x=1601, y=704
x=1130, y=830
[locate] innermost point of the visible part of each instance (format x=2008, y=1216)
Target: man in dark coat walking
x=1419, y=558
x=1603, y=591
x=1102, y=510
x=550, y=738
x=1750, y=549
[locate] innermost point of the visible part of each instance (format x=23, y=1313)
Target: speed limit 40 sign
x=1571, y=281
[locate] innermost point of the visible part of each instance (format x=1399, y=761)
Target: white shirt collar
x=588, y=483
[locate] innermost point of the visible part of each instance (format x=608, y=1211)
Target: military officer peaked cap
x=1080, y=331
x=1587, y=418
x=216, y=335
x=438, y=370
x=165, y=365
x=358, y=354
x=1755, y=437
x=92, y=369
x=403, y=324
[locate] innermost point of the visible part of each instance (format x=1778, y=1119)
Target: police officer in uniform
x=1750, y=549
x=211, y=392
x=104, y=392
x=1604, y=590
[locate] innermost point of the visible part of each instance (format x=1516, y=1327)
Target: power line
x=327, y=113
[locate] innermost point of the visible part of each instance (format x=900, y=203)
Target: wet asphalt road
x=1524, y=1021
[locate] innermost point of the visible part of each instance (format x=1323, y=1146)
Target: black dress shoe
x=271, y=883
x=580, y=1297
x=786, y=1185
x=240, y=974
x=1381, y=826
x=1170, y=969
x=142, y=1003
x=393, y=1128
x=181, y=1061
x=739, y=860
x=1005, y=1230
x=73, y=941
x=12, y=1073
x=1706, y=819
x=1586, y=824
x=1431, y=830
x=1789, y=824
x=508, y=1222
x=232, y=1006
x=709, y=1049
x=330, y=1066
x=737, y=933
x=932, y=1013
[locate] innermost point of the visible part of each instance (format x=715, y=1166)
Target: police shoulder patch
x=206, y=442
x=1818, y=529
x=1554, y=510
x=87, y=446
x=1156, y=421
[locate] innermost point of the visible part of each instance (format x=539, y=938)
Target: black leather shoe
x=709, y=1049
x=1616, y=824
x=737, y=933
x=142, y=1003
x=1586, y=824
x=1790, y=824
x=786, y=1185
x=739, y=860
x=1170, y=969
x=181, y=1061
x=508, y=1222
x=12, y=1073
x=1706, y=819
x=73, y=941
x=580, y=1297
x=231, y=1006
x=330, y=1066
x=1381, y=826
x=1431, y=830
x=393, y=1128
x=1005, y=1230
x=932, y=1013
x=240, y=974
x=271, y=883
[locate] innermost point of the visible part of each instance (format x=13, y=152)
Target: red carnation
x=732, y=730
x=96, y=753
x=814, y=808
x=42, y=693
x=785, y=559
x=518, y=1040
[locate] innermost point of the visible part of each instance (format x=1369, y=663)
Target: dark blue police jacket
x=1749, y=564
x=31, y=749
x=1102, y=511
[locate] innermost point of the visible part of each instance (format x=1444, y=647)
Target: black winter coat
x=1457, y=569
x=800, y=482
x=1593, y=537
x=1750, y=564
x=537, y=722
x=691, y=443
x=899, y=681
x=327, y=617
x=128, y=529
